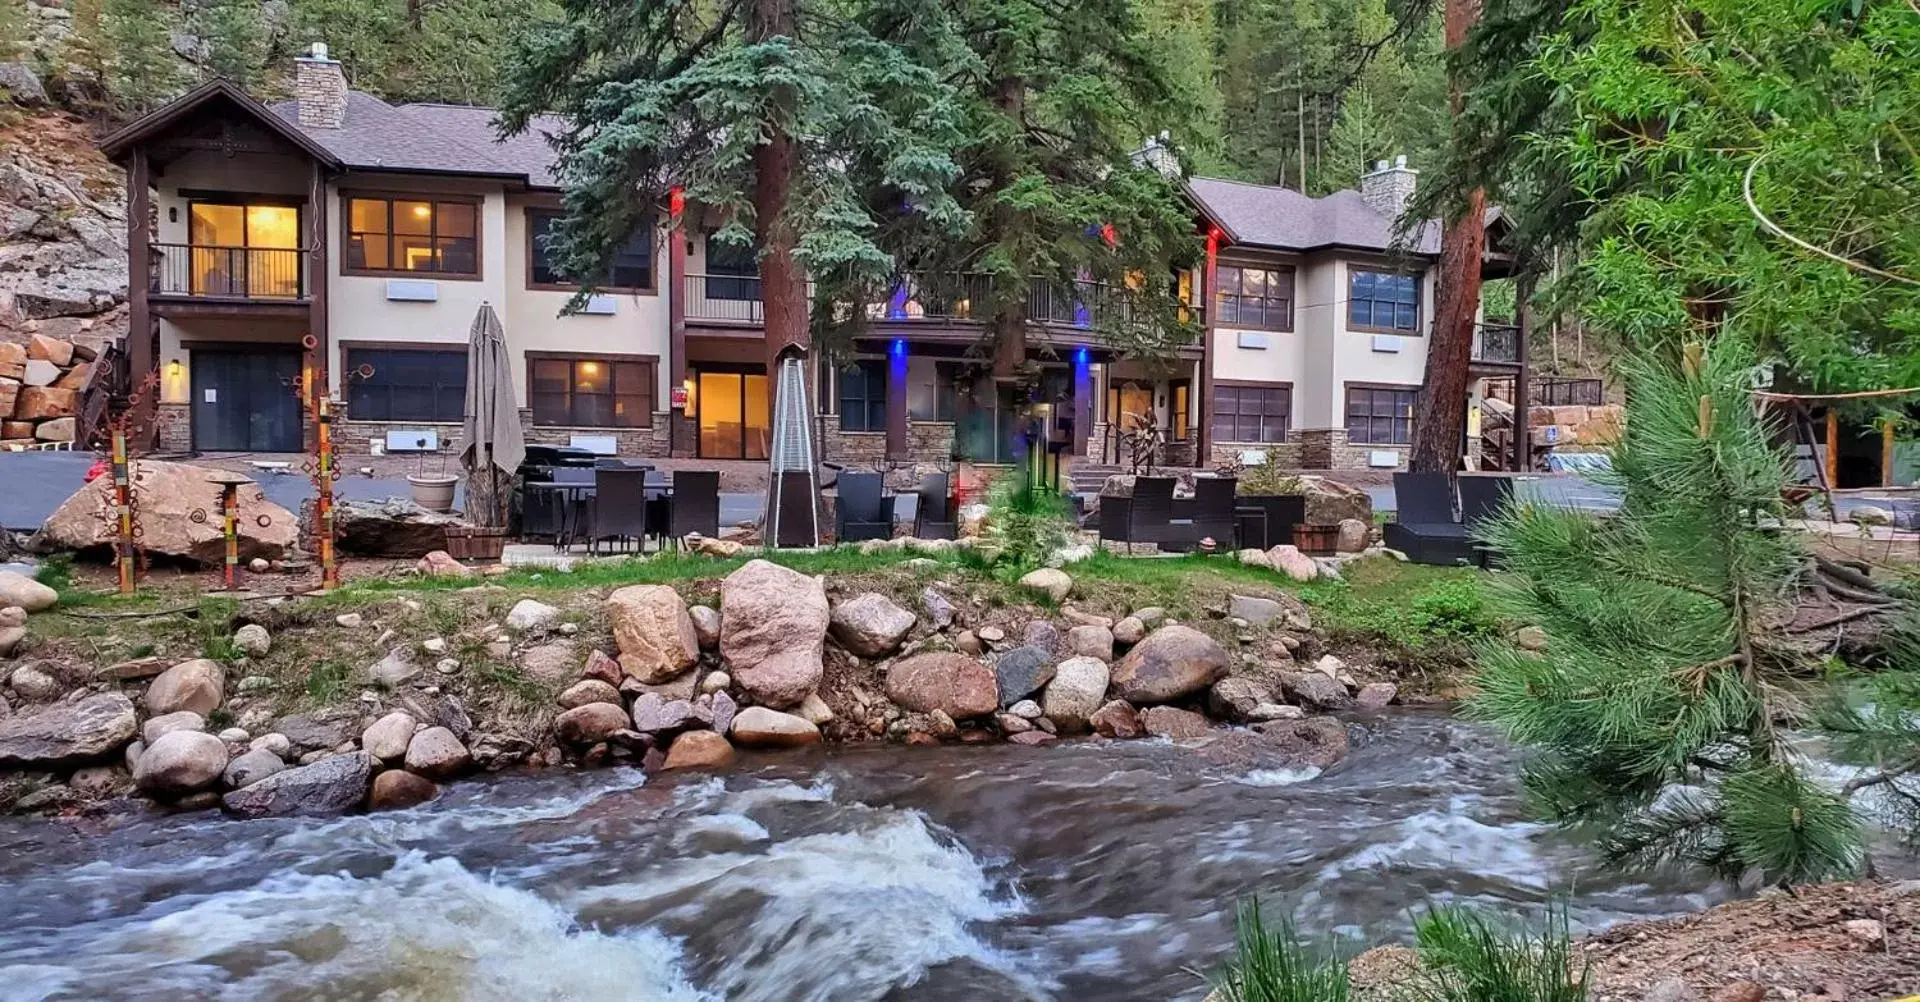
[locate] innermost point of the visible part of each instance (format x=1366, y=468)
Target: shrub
x=1453, y=609
x=1025, y=525
x=1467, y=957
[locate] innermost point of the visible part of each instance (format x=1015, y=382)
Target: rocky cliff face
x=63, y=255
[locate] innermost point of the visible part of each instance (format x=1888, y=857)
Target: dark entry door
x=243, y=401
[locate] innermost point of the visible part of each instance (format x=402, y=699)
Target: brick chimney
x=1388, y=187
x=320, y=89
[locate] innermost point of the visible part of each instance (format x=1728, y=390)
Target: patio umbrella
x=491, y=444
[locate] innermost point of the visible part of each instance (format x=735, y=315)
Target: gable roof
x=174, y=112
x=375, y=135
x=1264, y=215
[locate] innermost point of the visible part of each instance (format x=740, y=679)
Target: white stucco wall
x=1357, y=359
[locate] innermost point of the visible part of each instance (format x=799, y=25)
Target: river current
x=1082, y=871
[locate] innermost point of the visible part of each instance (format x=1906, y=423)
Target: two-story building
x=373, y=233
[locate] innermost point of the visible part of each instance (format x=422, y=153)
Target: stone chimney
x=1388, y=187
x=1158, y=154
x=320, y=89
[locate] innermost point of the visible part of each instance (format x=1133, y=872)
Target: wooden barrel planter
x=1317, y=540
x=473, y=542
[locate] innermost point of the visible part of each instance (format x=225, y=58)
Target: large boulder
x=1117, y=719
x=20, y=591
x=386, y=739
x=251, y=767
x=395, y=527
x=397, y=789
x=68, y=733
x=329, y=786
x=773, y=629
x=952, y=683
x=1078, y=690
x=198, y=685
x=591, y=724
x=436, y=754
x=1173, y=662
x=1021, y=672
x=870, y=625
x=759, y=727
x=1316, y=690
x=1236, y=698
x=653, y=631
x=1330, y=502
x=699, y=750
x=1175, y=723
x=169, y=496
x=1319, y=742
x=1288, y=560
x=180, y=762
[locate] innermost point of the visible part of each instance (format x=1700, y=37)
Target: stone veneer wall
x=929, y=443
x=351, y=437
x=1311, y=449
x=174, y=427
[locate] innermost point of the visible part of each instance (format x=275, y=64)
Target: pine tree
x=1360, y=137
x=13, y=29
x=1660, y=708
x=142, y=70
x=364, y=35
x=236, y=38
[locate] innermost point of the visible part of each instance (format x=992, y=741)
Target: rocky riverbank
x=301, y=709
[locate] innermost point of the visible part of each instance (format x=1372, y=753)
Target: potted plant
x=432, y=491
x=1280, y=494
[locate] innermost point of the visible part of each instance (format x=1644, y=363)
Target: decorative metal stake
x=323, y=493
x=123, y=510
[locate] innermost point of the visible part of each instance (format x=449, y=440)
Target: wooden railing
x=736, y=299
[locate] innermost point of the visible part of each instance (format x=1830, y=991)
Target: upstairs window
x=413, y=236
x=631, y=270
x=1258, y=298
x=733, y=271
x=1383, y=301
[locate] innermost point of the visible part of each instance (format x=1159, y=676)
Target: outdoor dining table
x=569, y=503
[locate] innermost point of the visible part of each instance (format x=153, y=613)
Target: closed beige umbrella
x=491, y=444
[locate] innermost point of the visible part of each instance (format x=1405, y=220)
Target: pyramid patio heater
x=792, y=517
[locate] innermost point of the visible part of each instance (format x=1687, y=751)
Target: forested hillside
x=1286, y=91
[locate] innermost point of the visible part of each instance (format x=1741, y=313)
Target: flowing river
x=1078, y=872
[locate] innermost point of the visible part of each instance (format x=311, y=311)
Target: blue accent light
x=899, y=346
x=1081, y=357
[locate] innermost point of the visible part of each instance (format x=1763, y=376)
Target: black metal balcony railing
x=1499, y=343
x=1556, y=391
x=948, y=297
x=221, y=272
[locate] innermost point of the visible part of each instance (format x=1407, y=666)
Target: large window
x=733, y=271
x=1179, y=391
x=413, y=235
x=863, y=397
x=631, y=271
x=1255, y=297
x=245, y=250
x=1251, y=413
x=407, y=384
x=1379, y=415
x=1383, y=301
x=591, y=392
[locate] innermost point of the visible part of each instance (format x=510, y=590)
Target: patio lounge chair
x=1212, y=513
x=619, y=507
x=696, y=504
x=933, y=515
x=1424, y=528
x=1480, y=498
x=1145, y=517
x=864, y=510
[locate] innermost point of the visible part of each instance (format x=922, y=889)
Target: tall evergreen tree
x=137, y=51
x=236, y=38
x=1661, y=707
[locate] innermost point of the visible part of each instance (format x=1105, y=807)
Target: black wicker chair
x=619, y=509
x=1482, y=497
x=933, y=514
x=1284, y=511
x=1145, y=517
x=1424, y=528
x=862, y=511
x=1213, y=501
x=695, y=506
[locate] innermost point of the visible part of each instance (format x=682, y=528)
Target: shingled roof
x=431, y=138
x=1263, y=215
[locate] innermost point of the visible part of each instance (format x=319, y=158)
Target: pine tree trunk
x=1441, y=411
x=783, y=287
x=1010, y=305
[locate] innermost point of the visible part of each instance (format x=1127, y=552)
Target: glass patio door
x=735, y=416
x=251, y=251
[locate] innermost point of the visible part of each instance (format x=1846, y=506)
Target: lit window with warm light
x=412, y=235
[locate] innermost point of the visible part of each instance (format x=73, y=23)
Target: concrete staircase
x=1088, y=478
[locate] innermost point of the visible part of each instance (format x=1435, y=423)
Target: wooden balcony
x=206, y=278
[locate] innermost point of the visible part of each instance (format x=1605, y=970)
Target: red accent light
x=677, y=202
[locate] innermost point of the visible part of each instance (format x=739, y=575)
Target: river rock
x=1021, y=672
x=20, y=591
x=653, y=631
x=386, y=739
x=167, y=495
x=1376, y=695
x=329, y=786
x=198, y=685
x=773, y=628
x=68, y=733
x=1172, y=722
x=953, y=683
x=1287, y=559
x=1117, y=719
x=1275, y=711
x=939, y=610
x=1171, y=663
x=394, y=670
x=167, y=723
x=1235, y=698
x=724, y=709
x=966, y=642
x=312, y=733
x=1353, y=536
x=398, y=789
x=759, y=727
x=551, y=663
x=699, y=750
x=706, y=625
x=1151, y=617
x=1090, y=642
x=815, y=711
x=1049, y=581
x=1319, y=742
x=1530, y=638
x=600, y=667
x=253, y=640
x=528, y=614
x=1316, y=690
x=251, y=767
x=1253, y=558
x=34, y=685
x=180, y=762
x=1011, y=723
x=436, y=754
x=1078, y=688
x=589, y=690
x=1031, y=738
x=440, y=564
x=1256, y=611
x=1129, y=631
x=1027, y=709
x=870, y=625
x=11, y=638
x=12, y=616
x=655, y=714
x=591, y=724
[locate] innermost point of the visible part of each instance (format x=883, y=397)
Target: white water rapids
x=1066, y=873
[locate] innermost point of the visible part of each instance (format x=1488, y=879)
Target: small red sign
x=679, y=398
